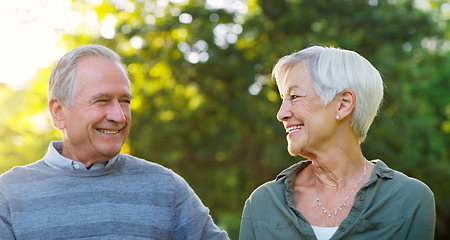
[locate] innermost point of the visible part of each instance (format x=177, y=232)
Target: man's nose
x=115, y=112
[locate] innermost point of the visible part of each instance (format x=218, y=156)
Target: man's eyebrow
x=106, y=95
x=128, y=95
x=98, y=96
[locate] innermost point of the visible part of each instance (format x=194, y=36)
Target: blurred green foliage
x=205, y=104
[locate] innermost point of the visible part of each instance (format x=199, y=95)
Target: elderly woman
x=329, y=99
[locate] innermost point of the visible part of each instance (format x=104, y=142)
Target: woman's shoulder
x=275, y=190
x=270, y=188
x=400, y=182
x=412, y=185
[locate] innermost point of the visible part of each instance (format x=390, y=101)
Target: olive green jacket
x=390, y=206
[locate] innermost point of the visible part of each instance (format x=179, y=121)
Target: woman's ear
x=56, y=112
x=347, y=101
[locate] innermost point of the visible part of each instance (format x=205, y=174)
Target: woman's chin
x=294, y=151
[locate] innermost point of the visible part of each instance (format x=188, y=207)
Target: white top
x=324, y=233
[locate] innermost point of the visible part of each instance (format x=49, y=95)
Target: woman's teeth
x=294, y=128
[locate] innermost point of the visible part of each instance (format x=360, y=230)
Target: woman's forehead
x=297, y=76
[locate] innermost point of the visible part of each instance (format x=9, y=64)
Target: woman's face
x=310, y=127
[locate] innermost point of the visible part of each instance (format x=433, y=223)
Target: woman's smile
x=293, y=129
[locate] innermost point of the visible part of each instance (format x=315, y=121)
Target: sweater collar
x=54, y=159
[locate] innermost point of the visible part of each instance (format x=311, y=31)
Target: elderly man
x=84, y=188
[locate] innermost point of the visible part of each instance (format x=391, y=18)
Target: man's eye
x=101, y=101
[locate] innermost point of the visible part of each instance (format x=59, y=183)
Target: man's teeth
x=294, y=128
x=107, y=131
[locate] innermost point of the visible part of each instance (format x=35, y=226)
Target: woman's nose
x=284, y=112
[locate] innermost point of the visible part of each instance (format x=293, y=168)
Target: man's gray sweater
x=131, y=199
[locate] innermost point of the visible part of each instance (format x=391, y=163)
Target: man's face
x=96, y=127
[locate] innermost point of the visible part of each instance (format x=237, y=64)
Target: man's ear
x=56, y=112
x=347, y=101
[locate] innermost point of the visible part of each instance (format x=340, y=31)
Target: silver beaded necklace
x=325, y=211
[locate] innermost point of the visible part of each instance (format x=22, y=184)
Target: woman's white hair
x=63, y=84
x=334, y=70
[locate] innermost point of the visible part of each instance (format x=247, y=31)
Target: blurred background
x=204, y=102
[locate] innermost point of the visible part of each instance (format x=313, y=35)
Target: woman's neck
x=337, y=171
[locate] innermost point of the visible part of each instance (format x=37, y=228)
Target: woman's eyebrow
x=292, y=88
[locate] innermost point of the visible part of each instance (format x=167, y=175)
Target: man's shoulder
x=133, y=163
x=149, y=172
x=22, y=171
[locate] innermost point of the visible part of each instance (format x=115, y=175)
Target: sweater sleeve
x=6, y=231
x=192, y=217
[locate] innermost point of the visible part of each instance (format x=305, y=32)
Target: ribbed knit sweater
x=131, y=199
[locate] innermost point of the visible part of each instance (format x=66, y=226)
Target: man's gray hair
x=63, y=84
x=334, y=70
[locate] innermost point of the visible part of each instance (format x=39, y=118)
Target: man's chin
x=110, y=151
